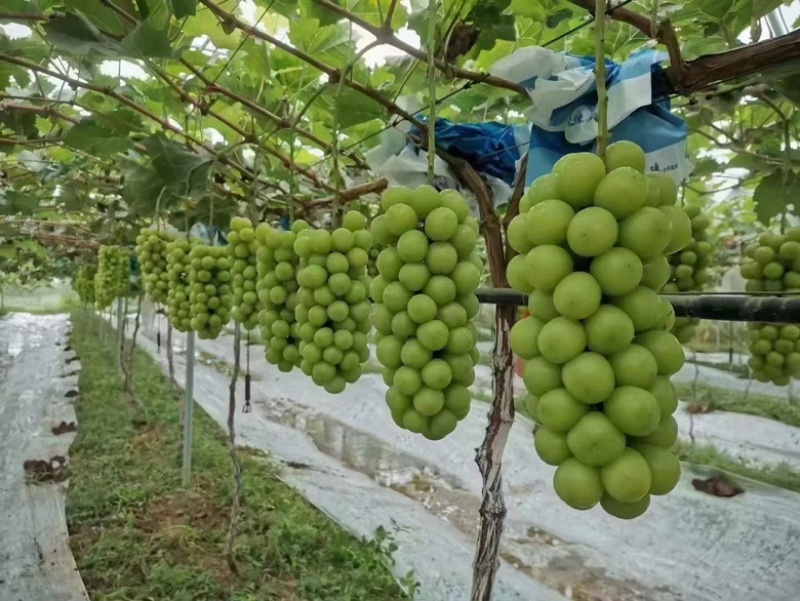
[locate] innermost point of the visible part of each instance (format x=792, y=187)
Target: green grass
x=781, y=475
x=736, y=402
x=137, y=534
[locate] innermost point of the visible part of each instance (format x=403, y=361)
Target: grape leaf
x=773, y=196
x=93, y=138
x=13, y=202
x=75, y=34
x=330, y=44
x=204, y=23
x=355, y=108
x=183, y=8
x=148, y=41
x=101, y=16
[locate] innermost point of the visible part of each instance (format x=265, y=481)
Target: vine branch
x=385, y=35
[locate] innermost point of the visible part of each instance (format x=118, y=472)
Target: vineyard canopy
x=112, y=110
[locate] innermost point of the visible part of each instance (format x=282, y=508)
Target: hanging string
x=246, y=408
x=158, y=231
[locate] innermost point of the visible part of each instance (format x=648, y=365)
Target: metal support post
x=188, y=412
x=120, y=332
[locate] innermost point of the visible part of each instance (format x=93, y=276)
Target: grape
x=424, y=306
x=277, y=288
x=594, y=241
x=178, y=304
x=372, y=266
x=772, y=265
x=332, y=309
x=244, y=247
x=112, y=279
x=151, y=252
x=689, y=269
x=83, y=283
x=209, y=285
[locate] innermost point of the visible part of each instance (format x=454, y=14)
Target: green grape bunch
x=210, y=295
x=83, y=283
x=112, y=279
x=690, y=269
x=594, y=239
x=244, y=272
x=276, y=287
x=178, y=305
x=773, y=265
x=332, y=309
x=151, y=252
x=425, y=305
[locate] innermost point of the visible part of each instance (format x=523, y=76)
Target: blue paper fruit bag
x=563, y=116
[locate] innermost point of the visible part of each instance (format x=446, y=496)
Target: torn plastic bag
x=491, y=148
x=562, y=88
x=208, y=234
x=403, y=164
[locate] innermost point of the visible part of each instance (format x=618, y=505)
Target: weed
x=736, y=402
x=137, y=534
x=781, y=475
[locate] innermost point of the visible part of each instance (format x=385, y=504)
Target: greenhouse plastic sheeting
x=36, y=563
x=690, y=546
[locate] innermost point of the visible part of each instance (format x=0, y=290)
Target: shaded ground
x=137, y=534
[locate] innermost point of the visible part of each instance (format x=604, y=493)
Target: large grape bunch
x=244, y=271
x=689, y=269
x=277, y=292
x=83, y=282
x=151, y=252
x=178, y=305
x=112, y=279
x=424, y=305
x=332, y=309
x=210, y=295
x=773, y=265
x=593, y=247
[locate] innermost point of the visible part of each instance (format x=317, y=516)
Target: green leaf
x=183, y=8
x=119, y=121
x=354, y=108
x=204, y=23
x=705, y=167
x=142, y=184
x=13, y=202
x=100, y=16
x=91, y=137
x=375, y=11
x=22, y=123
x=8, y=251
x=148, y=41
x=486, y=58
x=330, y=44
x=75, y=34
x=181, y=171
x=773, y=196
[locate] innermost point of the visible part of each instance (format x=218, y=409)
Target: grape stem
x=600, y=77
x=431, y=89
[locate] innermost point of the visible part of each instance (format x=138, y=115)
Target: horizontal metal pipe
x=719, y=307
